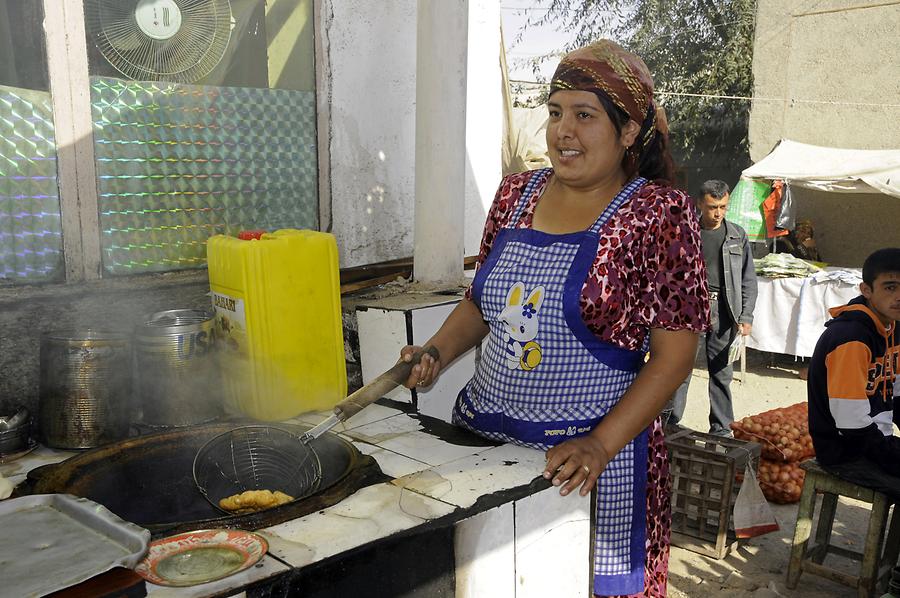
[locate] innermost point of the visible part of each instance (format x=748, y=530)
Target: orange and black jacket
x=852, y=389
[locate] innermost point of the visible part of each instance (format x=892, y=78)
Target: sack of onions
x=783, y=433
x=781, y=482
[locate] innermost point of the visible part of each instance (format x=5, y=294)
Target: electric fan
x=161, y=40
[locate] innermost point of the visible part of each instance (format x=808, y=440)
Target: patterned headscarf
x=604, y=67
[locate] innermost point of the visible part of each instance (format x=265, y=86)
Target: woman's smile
x=569, y=162
x=567, y=155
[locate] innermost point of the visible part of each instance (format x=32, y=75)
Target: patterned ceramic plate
x=201, y=556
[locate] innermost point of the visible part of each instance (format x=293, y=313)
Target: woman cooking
x=584, y=267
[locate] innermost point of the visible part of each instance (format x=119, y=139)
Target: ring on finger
x=586, y=469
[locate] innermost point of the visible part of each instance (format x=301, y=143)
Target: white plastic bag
x=752, y=515
x=736, y=348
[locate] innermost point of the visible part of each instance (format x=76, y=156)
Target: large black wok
x=149, y=481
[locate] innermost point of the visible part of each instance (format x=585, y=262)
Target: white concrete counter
x=507, y=528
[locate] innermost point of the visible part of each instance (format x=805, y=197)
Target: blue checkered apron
x=544, y=377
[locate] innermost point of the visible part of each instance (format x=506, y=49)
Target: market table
x=790, y=313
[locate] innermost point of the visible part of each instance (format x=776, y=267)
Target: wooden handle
x=381, y=385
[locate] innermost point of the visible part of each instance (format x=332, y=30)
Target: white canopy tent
x=830, y=168
x=791, y=313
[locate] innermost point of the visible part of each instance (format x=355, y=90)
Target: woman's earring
x=631, y=159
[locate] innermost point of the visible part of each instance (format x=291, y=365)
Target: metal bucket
x=177, y=376
x=85, y=388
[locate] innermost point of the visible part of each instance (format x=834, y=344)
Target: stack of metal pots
x=95, y=384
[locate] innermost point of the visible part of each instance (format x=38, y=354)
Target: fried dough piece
x=281, y=497
x=251, y=501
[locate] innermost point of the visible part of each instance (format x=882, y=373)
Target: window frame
x=70, y=95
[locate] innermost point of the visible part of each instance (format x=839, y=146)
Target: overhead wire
x=716, y=96
x=768, y=99
x=546, y=55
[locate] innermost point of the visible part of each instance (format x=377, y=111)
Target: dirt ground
x=758, y=567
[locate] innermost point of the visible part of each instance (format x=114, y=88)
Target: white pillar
x=441, y=51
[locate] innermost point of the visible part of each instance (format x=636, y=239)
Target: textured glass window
x=204, y=123
x=30, y=225
x=177, y=164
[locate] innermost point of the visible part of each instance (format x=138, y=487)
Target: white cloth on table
x=849, y=276
x=790, y=313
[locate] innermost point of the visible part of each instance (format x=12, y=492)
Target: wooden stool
x=875, y=565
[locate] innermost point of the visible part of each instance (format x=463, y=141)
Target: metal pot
x=177, y=376
x=85, y=388
x=14, y=431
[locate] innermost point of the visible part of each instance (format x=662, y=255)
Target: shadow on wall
x=379, y=224
x=849, y=226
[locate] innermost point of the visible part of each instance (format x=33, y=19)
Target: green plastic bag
x=745, y=207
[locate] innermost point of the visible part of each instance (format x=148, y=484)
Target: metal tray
x=52, y=541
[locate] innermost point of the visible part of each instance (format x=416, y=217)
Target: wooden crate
x=706, y=471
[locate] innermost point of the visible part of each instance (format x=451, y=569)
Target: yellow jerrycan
x=278, y=322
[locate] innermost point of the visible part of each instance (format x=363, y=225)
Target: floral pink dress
x=648, y=273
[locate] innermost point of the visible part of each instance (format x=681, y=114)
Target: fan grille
x=187, y=56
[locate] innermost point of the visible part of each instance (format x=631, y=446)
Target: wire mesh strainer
x=256, y=458
x=266, y=457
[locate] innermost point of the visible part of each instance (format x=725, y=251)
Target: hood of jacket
x=858, y=311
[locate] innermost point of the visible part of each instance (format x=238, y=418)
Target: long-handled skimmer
x=265, y=457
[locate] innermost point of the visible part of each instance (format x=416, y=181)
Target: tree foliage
x=694, y=48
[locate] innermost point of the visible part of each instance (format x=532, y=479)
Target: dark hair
x=714, y=188
x=883, y=260
x=653, y=161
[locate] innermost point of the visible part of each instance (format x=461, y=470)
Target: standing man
x=732, y=297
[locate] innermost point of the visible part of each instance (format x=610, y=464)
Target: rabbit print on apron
x=520, y=325
x=544, y=377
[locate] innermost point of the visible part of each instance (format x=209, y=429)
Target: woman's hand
x=577, y=461
x=463, y=329
x=423, y=373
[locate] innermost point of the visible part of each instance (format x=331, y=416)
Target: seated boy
x=853, y=387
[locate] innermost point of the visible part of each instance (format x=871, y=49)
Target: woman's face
x=582, y=141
